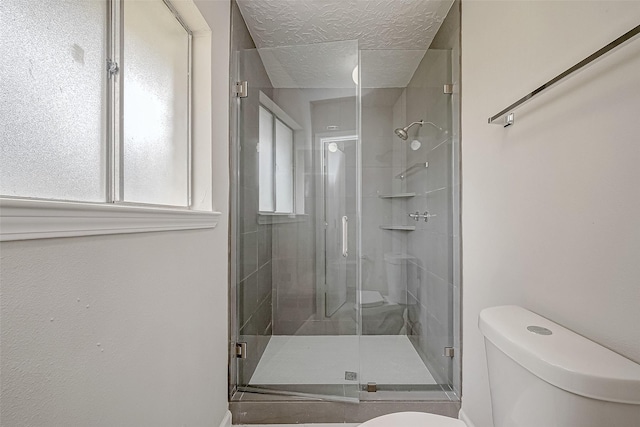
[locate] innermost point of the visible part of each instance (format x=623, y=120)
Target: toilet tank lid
x=370, y=299
x=564, y=359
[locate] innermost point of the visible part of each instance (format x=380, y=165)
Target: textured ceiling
x=323, y=65
x=394, y=35
x=377, y=24
x=389, y=68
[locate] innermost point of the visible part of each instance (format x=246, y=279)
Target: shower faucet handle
x=417, y=216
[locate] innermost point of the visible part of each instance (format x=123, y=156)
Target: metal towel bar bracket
x=508, y=114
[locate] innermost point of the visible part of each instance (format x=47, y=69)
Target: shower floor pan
x=324, y=360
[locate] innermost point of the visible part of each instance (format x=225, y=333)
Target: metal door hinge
x=112, y=68
x=448, y=352
x=372, y=387
x=448, y=88
x=241, y=89
x=241, y=350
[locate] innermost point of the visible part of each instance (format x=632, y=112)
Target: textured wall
x=116, y=330
x=156, y=303
x=550, y=205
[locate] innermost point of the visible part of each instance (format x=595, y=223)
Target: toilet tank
x=396, y=265
x=541, y=374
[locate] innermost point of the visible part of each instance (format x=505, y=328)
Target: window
x=276, y=164
x=156, y=69
x=96, y=118
x=53, y=105
x=74, y=131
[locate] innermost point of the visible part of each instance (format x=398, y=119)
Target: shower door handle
x=345, y=236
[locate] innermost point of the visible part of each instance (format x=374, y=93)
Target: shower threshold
x=291, y=410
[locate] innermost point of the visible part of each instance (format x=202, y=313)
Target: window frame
x=115, y=115
x=292, y=170
x=24, y=218
x=275, y=119
x=273, y=159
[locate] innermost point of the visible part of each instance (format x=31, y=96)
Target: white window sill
x=41, y=219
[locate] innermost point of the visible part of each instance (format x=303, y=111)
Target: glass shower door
x=295, y=223
x=337, y=214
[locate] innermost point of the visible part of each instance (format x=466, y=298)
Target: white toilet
x=396, y=264
x=542, y=374
x=380, y=315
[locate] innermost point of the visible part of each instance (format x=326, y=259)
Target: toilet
x=380, y=315
x=396, y=264
x=384, y=314
x=542, y=374
x=413, y=419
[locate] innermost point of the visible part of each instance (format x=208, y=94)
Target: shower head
x=403, y=134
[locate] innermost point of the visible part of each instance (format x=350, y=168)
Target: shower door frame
x=320, y=140
x=350, y=392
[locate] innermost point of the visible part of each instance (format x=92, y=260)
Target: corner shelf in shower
x=396, y=196
x=398, y=227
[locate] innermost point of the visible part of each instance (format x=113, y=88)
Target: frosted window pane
x=155, y=76
x=284, y=168
x=53, y=99
x=265, y=154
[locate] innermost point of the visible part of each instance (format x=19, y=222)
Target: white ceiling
x=393, y=34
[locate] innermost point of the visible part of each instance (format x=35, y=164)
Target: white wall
x=550, y=205
x=123, y=330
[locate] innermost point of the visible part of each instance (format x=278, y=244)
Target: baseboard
x=462, y=416
x=226, y=421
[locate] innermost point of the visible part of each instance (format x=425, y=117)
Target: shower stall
x=345, y=271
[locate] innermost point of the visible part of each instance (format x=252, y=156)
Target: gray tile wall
x=383, y=157
x=294, y=249
x=431, y=316
x=294, y=270
x=296, y=301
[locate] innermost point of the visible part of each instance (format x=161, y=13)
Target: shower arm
x=434, y=125
x=422, y=122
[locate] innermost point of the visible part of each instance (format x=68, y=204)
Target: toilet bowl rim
x=413, y=419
